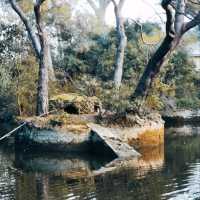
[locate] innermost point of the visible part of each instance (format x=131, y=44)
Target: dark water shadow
x=59, y=163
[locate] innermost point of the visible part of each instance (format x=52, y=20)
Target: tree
x=176, y=27
x=40, y=45
x=121, y=44
x=99, y=7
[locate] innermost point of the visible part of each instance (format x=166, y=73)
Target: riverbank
x=76, y=133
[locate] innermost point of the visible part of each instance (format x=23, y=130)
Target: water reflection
x=70, y=166
x=172, y=172
x=65, y=177
x=7, y=178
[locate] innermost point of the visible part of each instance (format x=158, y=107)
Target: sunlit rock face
x=52, y=140
x=149, y=135
x=146, y=131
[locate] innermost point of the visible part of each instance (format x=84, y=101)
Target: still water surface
x=168, y=172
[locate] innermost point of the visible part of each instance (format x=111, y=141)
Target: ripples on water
x=171, y=173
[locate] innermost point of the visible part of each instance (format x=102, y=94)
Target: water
x=170, y=172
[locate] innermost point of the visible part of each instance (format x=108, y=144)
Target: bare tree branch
x=43, y=37
x=29, y=29
x=175, y=28
x=114, y=3
x=105, y=3
x=193, y=2
x=121, y=4
x=166, y=4
x=93, y=5
x=40, y=27
x=154, y=9
x=191, y=24
x=141, y=34
x=180, y=15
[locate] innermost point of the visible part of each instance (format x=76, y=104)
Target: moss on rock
x=75, y=103
x=61, y=122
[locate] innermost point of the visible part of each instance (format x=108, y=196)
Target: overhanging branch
x=191, y=24
x=121, y=4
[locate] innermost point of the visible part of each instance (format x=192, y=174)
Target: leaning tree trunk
x=121, y=45
x=154, y=65
x=174, y=31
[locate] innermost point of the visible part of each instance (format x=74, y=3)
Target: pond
x=167, y=172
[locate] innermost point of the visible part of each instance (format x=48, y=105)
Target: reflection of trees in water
x=7, y=176
x=26, y=187
x=181, y=156
x=144, y=178
x=182, y=150
x=70, y=177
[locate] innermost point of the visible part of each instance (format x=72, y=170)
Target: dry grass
x=62, y=122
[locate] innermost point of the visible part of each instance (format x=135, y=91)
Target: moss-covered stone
x=75, y=103
x=61, y=122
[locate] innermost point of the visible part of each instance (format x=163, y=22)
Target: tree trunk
x=154, y=65
x=172, y=39
x=121, y=45
x=120, y=57
x=42, y=92
x=175, y=29
x=41, y=47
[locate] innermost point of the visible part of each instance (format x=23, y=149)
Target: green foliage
x=182, y=74
x=5, y=78
x=26, y=73
x=112, y=99
x=189, y=103
x=85, y=64
x=7, y=99
x=98, y=60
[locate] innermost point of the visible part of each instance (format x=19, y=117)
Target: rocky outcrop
x=113, y=141
x=75, y=103
x=71, y=133
x=146, y=131
x=53, y=140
